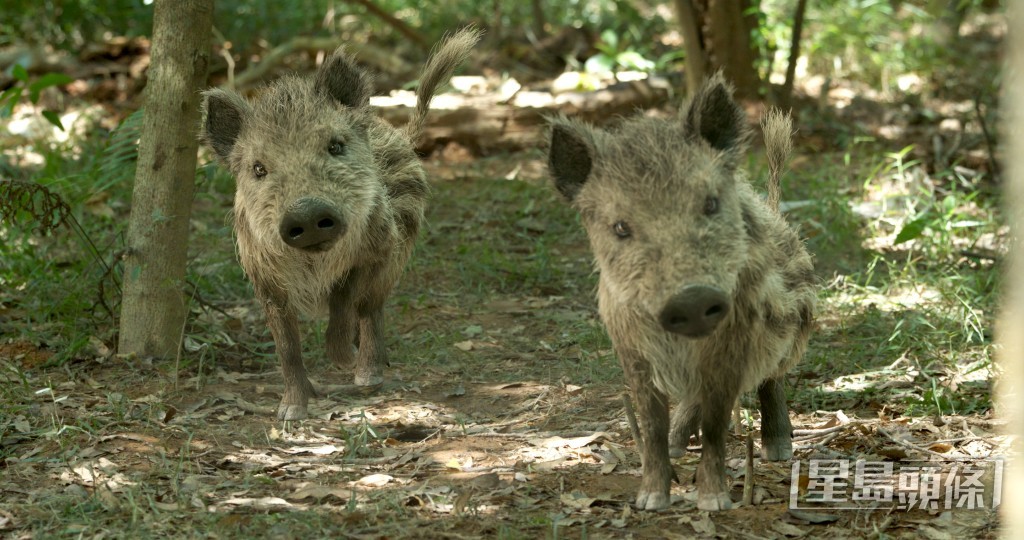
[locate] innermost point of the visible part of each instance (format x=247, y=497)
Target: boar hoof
x=777, y=450
x=291, y=411
x=713, y=502
x=650, y=500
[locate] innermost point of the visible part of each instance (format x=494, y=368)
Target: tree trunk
x=153, y=309
x=794, y=53
x=1011, y=320
x=716, y=34
x=538, y=19
x=696, y=60
x=727, y=42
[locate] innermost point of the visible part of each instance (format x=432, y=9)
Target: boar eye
x=710, y=206
x=622, y=230
x=259, y=170
x=336, y=148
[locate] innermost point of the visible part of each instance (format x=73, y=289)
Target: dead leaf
x=319, y=493
x=813, y=517
x=322, y=450
x=703, y=525
x=461, y=501
x=941, y=448
x=787, y=529
x=575, y=442
x=485, y=481
x=547, y=465
x=464, y=345
x=375, y=480
x=262, y=503
x=577, y=500
x=931, y=533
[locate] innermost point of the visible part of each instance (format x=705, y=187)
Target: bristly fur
x=691, y=219
x=778, y=142
x=447, y=56
x=375, y=185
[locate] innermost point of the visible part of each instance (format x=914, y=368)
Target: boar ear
x=343, y=81
x=570, y=159
x=223, y=114
x=714, y=117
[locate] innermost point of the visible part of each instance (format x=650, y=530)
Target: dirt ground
x=501, y=415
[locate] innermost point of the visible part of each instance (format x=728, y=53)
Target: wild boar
x=328, y=202
x=705, y=290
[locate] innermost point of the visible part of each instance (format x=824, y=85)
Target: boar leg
x=341, y=324
x=685, y=423
x=652, y=408
x=712, y=487
x=776, y=431
x=284, y=326
x=372, y=357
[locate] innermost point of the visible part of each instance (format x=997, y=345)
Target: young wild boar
x=328, y=203
x=705, y=290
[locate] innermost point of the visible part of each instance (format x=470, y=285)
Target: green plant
x=615, y=55
x=33, y=88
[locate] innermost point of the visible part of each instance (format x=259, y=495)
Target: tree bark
x=154, y=307
x=794, y=53
x=539, y=21
x=728, y=44
x=693, y=42
x=1011, y=319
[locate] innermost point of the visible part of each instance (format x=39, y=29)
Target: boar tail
x=447, y=56
x=778, y=142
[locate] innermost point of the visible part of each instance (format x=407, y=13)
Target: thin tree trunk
x=1011, y=320
x=696, y=60
x=153, y=309
x=794, y=53
x=728, y=41
x=538, y=19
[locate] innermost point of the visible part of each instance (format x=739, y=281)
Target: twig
x=529, y=406
x=820, y=446
x=809, y=434
x=989, y=142
x=381, y=59
x=633, y=428
x=909, y=445
x=748, y=480
x=393, y=22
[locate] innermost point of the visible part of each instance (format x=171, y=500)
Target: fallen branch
x=369, y=54
x=393, y=22
x=633, y=428
x=811, y=434
x=748, y=479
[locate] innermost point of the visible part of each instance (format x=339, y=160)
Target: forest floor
x=502, y=413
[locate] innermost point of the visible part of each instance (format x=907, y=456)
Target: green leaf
x=46, y=81
x=634, y=60
x=599, y=63
x=9, y=99
x=54, y=119
x=610, y=38
x=912, y=230
x=18, y=71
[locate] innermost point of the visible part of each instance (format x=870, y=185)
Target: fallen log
x=494, y=122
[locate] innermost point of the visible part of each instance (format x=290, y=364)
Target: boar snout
x=312, y=225
x=694, y=312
